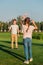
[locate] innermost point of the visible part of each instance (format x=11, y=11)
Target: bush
x=37, y=35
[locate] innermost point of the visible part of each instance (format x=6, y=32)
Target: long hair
x=27, y=20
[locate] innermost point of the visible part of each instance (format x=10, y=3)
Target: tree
x=18, y=21
x=41, y=26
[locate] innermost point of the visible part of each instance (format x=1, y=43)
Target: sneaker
x=31, y=59
x=26, y=62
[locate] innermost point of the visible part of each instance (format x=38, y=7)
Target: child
x=14, y=30
x=27, y=38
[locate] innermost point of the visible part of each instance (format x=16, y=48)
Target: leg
x=30, y=48
x=16, y=41
x=12, y=42
x=26, y=49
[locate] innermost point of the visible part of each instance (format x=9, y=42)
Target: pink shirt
x=27, y=34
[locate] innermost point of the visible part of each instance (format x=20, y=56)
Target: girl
x=27, y=38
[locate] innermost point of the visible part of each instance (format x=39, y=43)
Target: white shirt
x=27, y=34
x=14, y=29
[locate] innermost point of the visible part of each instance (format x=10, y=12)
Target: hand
x=23, y=17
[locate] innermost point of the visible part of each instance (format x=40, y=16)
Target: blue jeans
x=27, y=48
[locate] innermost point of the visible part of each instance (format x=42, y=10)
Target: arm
x=34, y=24
x=9, y=28
x=23, y=18
x=21, y=23
x=18, y=31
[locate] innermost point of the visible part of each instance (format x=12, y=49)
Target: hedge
x=37, y=35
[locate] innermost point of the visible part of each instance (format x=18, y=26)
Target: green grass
x=10, y=56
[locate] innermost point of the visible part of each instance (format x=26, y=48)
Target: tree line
x=4, y=25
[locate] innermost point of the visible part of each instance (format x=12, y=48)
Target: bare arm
x=9, y=28
x=18, y=30
x=23, y=17
x=21, y=23
x=34, y=24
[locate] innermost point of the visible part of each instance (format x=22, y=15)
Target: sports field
x=15, y=56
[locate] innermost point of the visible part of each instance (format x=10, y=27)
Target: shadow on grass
x=5, y=41
x=9, y=42
x=21, y=43
x=37, y=44
x=16, y=55
x=5, y=46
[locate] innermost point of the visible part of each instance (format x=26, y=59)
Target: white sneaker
x=26, y=62
x=31, y=59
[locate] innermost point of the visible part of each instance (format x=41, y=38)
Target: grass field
x=14, y=56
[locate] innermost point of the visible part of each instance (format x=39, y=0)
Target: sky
x=13, y=8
